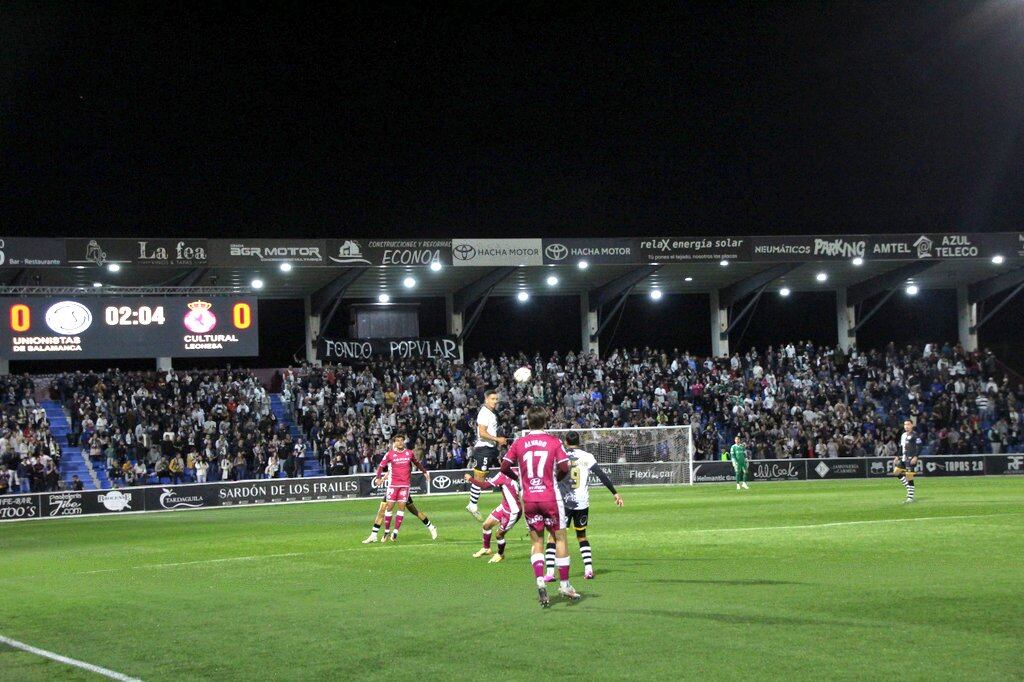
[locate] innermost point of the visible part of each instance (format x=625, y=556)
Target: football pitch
x=826, y=580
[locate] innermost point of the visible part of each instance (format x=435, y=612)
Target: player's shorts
x=541, y=515
x=483, y=456
x=384, y=496
x=399, y=494
x=577, y=517
x=504, y=518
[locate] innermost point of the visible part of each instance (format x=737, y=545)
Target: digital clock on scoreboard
x=101, y=328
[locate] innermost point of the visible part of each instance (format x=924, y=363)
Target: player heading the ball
x=485, y=451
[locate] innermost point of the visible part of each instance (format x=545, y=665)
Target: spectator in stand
x=300, y=459
x=225, y=467
x=141, y=473
x=176, y=468
x=76, y=483
x=202, y=466
x=8, y=481
x=162, y=470
x=338, y=467
x=290, y=465
x=128, y=474
x=239, y=467
x=273, y=465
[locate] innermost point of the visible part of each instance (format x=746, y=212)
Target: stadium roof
x=687, y=266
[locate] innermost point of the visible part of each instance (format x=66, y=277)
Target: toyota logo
x=441, y=482
x=556, y=251
x=464, y=252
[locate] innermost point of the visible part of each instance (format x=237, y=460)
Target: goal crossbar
x=640, y=453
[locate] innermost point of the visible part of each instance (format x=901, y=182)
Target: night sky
x=512, y=119
x=819, y=117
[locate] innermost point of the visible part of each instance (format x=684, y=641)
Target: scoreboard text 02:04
x=113, y=327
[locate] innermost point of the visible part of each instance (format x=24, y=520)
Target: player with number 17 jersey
x=541, y=460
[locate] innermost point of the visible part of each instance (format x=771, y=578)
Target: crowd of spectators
x=29, y=453
x=149, y=427
x=797, y=400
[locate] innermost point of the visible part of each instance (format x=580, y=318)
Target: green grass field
x=813, y=581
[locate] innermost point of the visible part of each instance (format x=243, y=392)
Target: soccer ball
x=522, y=375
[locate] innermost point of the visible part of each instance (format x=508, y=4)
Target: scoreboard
x=100, y=328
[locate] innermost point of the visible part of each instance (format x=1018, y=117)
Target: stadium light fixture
x=114, y=267
x=436, y=266
x=997, y=259
x=723, y=262
x=523, y=297
x=858, y=261
x=286, y=267
x=583, y=265
x=383, y=298
x=409, y=282
x=688, y=279
x=97, y=285
x=912, y=290
x=655, y=294
x=821, y=277
x=552, y=280
x=256, y=283
x=784, y=291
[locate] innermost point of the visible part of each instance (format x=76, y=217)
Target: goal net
x=639, y=455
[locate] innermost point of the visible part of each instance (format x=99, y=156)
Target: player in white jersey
x=485, y=451
x=905, y=462
x=575, y=490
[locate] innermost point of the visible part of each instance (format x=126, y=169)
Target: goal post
x=641, y=454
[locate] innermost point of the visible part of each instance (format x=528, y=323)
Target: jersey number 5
x=530, y=457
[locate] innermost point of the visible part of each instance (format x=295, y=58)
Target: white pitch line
x=200, y=561
x=254, y=557
x=838, y=523
x=67, y=661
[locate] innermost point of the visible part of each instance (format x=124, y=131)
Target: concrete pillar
x=719, y=327
x=846, y=318
x=312, y=331
x=453, y=321
x=163, y=364
x=5, y=367
x=588, y=327
x=966, y=319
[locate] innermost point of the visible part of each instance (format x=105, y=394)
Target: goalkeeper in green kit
x=738, y=455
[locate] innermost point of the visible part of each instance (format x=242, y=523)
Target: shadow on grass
x=736, y=582
x=730, y=618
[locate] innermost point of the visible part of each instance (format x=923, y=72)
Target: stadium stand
x=146, y=427
x=797, y=400
x=30, y=456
